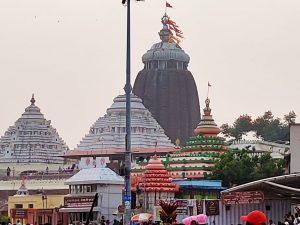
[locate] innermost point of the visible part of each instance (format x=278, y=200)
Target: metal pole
x=128, y=88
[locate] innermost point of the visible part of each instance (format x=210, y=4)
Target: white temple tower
x=32, y=139
x=108, y=132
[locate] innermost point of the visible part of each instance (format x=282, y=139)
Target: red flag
x=168, y=5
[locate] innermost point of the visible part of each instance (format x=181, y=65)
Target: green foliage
x=265, y=127
x=4, y=218
x=239, y=166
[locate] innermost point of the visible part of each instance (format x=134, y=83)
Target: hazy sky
x=71, y=55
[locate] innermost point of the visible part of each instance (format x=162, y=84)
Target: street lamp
x=128, y=89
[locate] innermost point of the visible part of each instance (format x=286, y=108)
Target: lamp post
x=127, y=88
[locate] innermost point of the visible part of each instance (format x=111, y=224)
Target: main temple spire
x=32, y=100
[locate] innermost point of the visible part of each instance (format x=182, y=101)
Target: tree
x=265, y=127
x=239, y=166
x=241, y=126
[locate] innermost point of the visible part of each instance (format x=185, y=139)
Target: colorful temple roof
x=156, y=178
x=196, y=159
x=32, y=139
x=108, y=132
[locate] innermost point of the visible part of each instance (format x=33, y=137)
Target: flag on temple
x=168, y=5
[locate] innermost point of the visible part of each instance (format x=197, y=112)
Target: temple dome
x=109, y=131
x=155, y=164
x=32, y=139
x=166, y=50
x=156, y=178
x=207, y=125
x=161, y=51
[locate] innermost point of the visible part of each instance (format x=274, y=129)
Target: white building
x=258, y=146
x=108, y=132
x=32, y=139
x=82, y=188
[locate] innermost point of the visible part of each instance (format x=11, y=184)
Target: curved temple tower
x=166, y=86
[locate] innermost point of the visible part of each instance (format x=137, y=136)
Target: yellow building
x=34, y=209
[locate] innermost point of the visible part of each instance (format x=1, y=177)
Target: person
x=59, y=170
x=18, y=222
x=255, y=217
x=8, y=171
x=47, y=170
x=271, y=222
x=193, y=222
x=297, y=219
x=116, y=222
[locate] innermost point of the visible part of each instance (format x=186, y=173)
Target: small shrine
x=155, y=184
x=22, y=191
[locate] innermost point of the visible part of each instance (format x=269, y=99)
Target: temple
x=108, y=132
x=198, y=156
x=155, y=184
x=32, y=139
x=166, y=86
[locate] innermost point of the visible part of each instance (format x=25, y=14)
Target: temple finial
x=207, y=109
x=32, y=100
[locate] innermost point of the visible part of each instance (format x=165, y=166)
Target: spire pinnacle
x=32, y=100
x=207, y=110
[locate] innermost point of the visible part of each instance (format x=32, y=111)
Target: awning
x=286, y=187
x=200, y=184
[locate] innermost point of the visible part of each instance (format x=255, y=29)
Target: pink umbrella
x=201, y=219
x=141, y=217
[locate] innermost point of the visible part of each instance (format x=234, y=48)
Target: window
x=30, y=206
x=94, y=187
x=19, y=206
x=50, y=219
x=88, y=188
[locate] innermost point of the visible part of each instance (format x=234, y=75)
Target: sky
x=71, y=55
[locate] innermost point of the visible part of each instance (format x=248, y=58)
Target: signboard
x=78, y=202
x=212, y=207
x=182, y=208
x=247, y=197
x=90, y=162
x=18, y=213
x=127, y=198
x=44, y=211
x=199, y=205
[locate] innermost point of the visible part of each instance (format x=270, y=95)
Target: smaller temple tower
x=22, y=191
x=202, y=150
x=32, y=139
x=155, y=184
